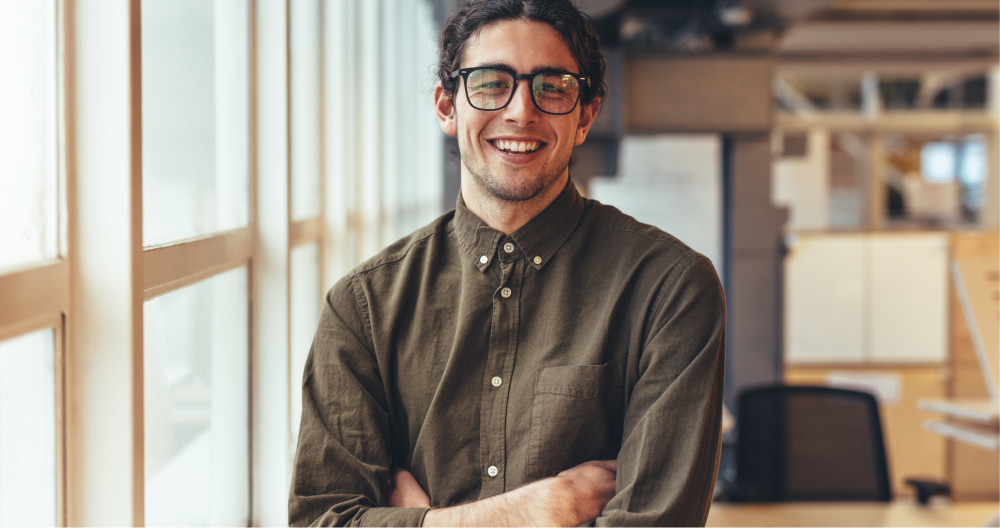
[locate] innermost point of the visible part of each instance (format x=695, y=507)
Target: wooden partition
x=973, y=472
x=899, y=381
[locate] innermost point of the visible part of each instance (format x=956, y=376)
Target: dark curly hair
x=575, y=27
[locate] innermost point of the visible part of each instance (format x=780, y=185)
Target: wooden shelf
x=987, y=438
x=977, y=410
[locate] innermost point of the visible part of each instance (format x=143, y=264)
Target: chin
x=514, y=187
x=513, y=192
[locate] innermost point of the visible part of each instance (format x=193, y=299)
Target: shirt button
x=508, y=247
x=492, y=471
x=505, y=292
x=538, y=260
x=484, y=259
x=496, y=381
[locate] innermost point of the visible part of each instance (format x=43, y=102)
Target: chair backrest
x=810, y=444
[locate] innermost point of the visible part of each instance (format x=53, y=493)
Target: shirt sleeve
x=672, y=429
x=342, y=460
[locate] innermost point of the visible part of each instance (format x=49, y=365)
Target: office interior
x=182, y=180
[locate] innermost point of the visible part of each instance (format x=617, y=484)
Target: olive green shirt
x=482, y=362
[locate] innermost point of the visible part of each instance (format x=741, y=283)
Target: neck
x=503, y=215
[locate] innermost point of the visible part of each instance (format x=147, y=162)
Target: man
x=532, y=357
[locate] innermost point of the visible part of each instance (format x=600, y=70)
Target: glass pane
x=933, y=180
x=196, y=404
x=28, y=159
x=27, y=430
x=306, y=299
x=305, y=20
x=195, y=144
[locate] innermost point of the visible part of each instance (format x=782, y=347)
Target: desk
x=904, y=512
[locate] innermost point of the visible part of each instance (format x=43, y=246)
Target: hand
x=592, y=485
x=406, y=491
x=573, y=497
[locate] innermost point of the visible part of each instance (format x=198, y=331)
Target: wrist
x=562, y=502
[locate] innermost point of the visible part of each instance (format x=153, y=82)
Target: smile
x=515, y=147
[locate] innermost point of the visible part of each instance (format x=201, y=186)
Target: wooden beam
x=42, y=292
x=305, y=231
x=172, y=266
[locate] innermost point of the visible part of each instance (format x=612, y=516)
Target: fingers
x=610, y=465
x=405, y=491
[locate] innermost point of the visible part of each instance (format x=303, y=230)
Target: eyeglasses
x=553, y=92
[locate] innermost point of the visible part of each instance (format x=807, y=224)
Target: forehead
x=523, y=45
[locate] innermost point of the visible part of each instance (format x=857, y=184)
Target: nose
x=522, y=110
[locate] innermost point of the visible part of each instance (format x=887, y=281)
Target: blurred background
x=182, y=180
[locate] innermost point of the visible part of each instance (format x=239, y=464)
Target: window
x=28, y=430
x=195, y=118
x=178, y=190
x=28, y=133
x=197, y=430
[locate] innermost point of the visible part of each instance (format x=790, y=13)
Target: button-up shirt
x=482, y=362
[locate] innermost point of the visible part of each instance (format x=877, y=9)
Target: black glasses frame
x=464, y=72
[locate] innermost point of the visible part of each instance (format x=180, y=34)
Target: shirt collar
x=541, y=237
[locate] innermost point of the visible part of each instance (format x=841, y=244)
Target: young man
x=532, y=357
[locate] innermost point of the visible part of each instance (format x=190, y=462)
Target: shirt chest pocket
x=576, y=416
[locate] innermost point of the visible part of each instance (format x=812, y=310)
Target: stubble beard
x=517, y=189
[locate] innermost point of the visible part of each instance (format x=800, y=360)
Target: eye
x=493, y=84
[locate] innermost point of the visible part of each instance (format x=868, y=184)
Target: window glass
x=197, y=405
x=933, y=180
x=195, y=144
x=27, y=430
x=28, y=145
x=306, y=299
x=305, y=42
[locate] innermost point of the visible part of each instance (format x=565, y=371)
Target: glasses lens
x=555, y=93
x=489, y=89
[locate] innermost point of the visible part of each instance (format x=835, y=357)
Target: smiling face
x=518, y=153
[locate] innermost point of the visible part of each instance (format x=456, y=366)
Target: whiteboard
x=673, y=182
x=866, y=298
x=909, y=297
x=825, y=299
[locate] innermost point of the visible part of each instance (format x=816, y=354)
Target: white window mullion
x=368, y=82
x=104, y=184
x=391, y=112
x=334, y=148
x=271, y=475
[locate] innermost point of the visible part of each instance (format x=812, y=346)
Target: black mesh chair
x=810, y=444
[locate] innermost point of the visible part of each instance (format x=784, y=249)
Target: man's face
x=507, y=173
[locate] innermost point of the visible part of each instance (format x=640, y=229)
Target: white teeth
x=516, y=146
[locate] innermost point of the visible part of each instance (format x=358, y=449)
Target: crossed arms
x=571, y=498
x=663, y=475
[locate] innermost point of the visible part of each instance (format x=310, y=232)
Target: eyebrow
x=505, y=66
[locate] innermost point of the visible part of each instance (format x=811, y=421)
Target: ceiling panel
x=892, y=37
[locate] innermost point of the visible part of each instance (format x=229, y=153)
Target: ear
x=587, y=115
x=444, y=107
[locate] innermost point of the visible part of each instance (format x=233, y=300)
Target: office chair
x=810, y=444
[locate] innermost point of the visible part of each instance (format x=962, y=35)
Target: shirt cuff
x=394, y=517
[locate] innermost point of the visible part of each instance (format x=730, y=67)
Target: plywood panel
x=824, y=300
x=911, y=450
x=909, y=297
x=698, y=94
x=974, y=473
x=976, y=280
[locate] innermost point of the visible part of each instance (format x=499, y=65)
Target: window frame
x=92, y=295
